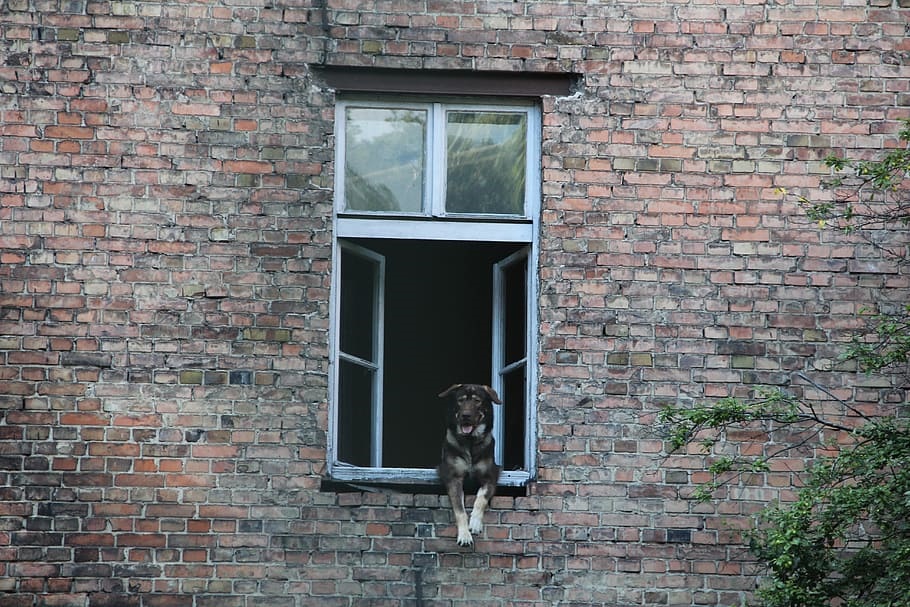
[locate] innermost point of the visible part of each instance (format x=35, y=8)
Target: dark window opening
x=438, y=329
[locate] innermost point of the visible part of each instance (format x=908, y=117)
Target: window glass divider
x=436, y=173
x=357, y=360
x=515, y=365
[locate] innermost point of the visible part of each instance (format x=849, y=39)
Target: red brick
x=148, y=540
x=196, y=109
x=69, y=132
x=84, y=419
x=190, y=480
x=247, y=166
x=18, y=130
x=152, y=420
x=139, y=480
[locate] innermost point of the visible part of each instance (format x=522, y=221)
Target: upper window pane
x=384, y=159
x=486, y=162
x=358, y=302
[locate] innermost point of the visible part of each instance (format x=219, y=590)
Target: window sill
x=331, y=485
x=498, y=218
x=344, y=478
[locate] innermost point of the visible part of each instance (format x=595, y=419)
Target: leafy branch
x=708, y=426
x=871, y=197
x=845, y=538
x=887, y=347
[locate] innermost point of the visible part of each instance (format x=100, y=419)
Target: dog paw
x=476, y=525
x=465, y=538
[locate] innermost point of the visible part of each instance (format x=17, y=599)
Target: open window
x=360, y=355
x=433, y=280
x=510, y=357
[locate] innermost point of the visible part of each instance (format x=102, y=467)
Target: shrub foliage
x=845, y=538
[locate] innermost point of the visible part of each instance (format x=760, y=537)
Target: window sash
x=501, y=364
x=342, y=174
x=435, y=162
x=375, y=364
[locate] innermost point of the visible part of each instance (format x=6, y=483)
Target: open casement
x=360, y=348
x=510, y=360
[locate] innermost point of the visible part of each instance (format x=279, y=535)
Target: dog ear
x=492, y=394
x=449, y=390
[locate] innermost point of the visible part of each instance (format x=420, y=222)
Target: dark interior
x=438, y=331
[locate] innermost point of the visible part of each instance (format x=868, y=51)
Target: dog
x=468, y=451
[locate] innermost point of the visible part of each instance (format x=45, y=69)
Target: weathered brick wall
x=165, y=239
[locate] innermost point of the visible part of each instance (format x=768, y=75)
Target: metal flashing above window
x=447, y=82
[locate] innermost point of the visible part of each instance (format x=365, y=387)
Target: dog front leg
x=484, y=494
x=456, y=496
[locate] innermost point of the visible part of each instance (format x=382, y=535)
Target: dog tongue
x=467, y=429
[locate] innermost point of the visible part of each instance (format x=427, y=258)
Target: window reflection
x=485, y=162
x=384, y=159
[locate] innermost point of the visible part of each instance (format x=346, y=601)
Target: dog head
x=472, y=412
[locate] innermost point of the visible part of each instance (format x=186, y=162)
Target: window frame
x=434, y=187
x=501, y=366
x=377, y=344
x=434, y=225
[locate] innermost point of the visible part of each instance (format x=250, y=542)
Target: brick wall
x=165, y=237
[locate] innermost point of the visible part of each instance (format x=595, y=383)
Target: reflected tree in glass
x=385, y=154
x=485, y=162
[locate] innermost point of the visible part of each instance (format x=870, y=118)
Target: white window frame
x=377, y=353
x=435, y=184
x=501, y=367
x=435, y=224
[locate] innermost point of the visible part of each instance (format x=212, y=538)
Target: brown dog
x=468, y=451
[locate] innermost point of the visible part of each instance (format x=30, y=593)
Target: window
x=436, y=208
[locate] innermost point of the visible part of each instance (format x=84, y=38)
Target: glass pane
x=516, y=309
x=485, y=162
x=514, y=407
x=358, y=284
x=355, y=405
x=384, y=159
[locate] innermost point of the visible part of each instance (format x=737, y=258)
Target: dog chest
x=464, y=457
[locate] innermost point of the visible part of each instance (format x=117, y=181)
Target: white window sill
x=412, y=476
